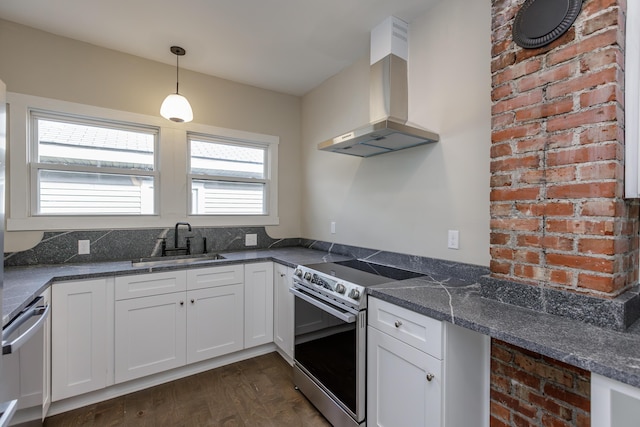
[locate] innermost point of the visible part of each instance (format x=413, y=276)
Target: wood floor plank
x=258, y=392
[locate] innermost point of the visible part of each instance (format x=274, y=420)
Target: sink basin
x=159, y=261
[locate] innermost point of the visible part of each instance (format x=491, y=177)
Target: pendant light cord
x=177, y=70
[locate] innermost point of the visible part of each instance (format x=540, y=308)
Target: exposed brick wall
x=558, y=215
x=532, y=390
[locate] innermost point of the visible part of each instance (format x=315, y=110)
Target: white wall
x=406, y=201
x=42, y=64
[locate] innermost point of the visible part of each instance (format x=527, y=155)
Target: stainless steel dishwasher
x=23, y=365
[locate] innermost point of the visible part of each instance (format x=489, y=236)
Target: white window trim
x=267, y=180
x=171, y=167
x=632, y=101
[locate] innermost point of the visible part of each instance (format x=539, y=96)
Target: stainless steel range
x=330, y=335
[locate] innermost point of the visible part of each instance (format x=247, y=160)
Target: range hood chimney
x=388, y=99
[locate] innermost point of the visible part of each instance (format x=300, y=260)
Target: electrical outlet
x=333, y=227
x=453, y=240
x=84, y=247
x=251, y=240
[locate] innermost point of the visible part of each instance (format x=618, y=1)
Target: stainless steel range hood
x=388, y=106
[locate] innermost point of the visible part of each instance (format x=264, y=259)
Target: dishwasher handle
x=7, y=410
x=9, y=347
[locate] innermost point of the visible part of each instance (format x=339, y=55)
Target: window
x=85, y=166
x=228, y=177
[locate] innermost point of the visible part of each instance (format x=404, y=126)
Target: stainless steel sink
x=175, y=260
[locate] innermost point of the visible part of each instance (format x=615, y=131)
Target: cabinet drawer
x=200, y=278
x=413, y=328
x=144, y=285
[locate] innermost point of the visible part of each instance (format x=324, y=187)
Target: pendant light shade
x=175, y=106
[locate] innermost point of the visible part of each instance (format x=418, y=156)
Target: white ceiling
x=290, y=46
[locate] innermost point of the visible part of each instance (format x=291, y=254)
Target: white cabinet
x=214, y=322
x=166, y=320
x=399, y=389
x=613, y=404
x=150, y=335
x=423, y=372
x=258, y=304
x=283, y=310
x=81, y=341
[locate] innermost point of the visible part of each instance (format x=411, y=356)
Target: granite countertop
x=23, y=284
x=606, y=352
x=456, y=300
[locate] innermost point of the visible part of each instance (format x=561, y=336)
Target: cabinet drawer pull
x=181, y=302
x=430, y=376
x=398, y=323
x=193, y=301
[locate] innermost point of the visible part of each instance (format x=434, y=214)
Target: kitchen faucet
x=186, y=248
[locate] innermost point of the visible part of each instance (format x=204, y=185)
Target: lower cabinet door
x=149, y=335
x=215, y=322
x=258, y=304
x=404, y=385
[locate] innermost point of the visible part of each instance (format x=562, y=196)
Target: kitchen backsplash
x=119, y=245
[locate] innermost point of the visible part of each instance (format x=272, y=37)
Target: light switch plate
x=251, y=240
x=84, y=247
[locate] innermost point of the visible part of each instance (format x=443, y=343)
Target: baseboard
x=132, y=386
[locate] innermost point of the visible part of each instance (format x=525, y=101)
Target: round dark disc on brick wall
x=539, y=22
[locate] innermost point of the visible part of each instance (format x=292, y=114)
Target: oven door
x=329, y=348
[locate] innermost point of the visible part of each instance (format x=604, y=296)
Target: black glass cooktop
x=363, y=273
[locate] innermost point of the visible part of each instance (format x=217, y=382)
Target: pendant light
x=175, y=106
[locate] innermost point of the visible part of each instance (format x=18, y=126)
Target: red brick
x=551, y=421
x=602, y=21
x=500, y=411
x=530, y=272
x=593, y=227
x=501, y=92
x=500, y=150
x=600, y=265
x=561, y=277
x=547, y=76
x=513, y=404
x=582, y=420
x=516, y=71
x=503, y=61
x=499, y=238
x=525, y=256
x=532, y=144
x=501, y=209
x=515, y=132
x=583, y=154
x=602, y=133
x=533, y=176
x=577, y=191
x=607, y=38
x=605, y=283
x=599, y=208
x=600, y=95
x=566, y=38
x=519, y=101
x=501, y=253
x=562, y=174
x=500, y=180
x=567, y=396
x=601, y=246
x=594, y=60
x=496, y=422
x=546, y=109
x=582, y=82
x=501, y=353
x=504, y=194
x=515, y=224
x=600, y=171
x=593, y=7
x=558, y=243
x=552, y=406
x=502, y=120
x=582, y=118
x=498, y=267
x=514, y=163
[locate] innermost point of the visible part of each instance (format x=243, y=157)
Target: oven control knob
x=340, y=288
x=307, y=276
x=298, y=272
x=355, y=294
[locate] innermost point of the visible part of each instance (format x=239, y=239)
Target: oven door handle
x=345, y=317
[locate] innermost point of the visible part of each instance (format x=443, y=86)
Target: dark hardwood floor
x=255, y=392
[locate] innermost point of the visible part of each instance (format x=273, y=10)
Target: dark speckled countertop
x=23, y=284
x=606, y=352
x=457, y=300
